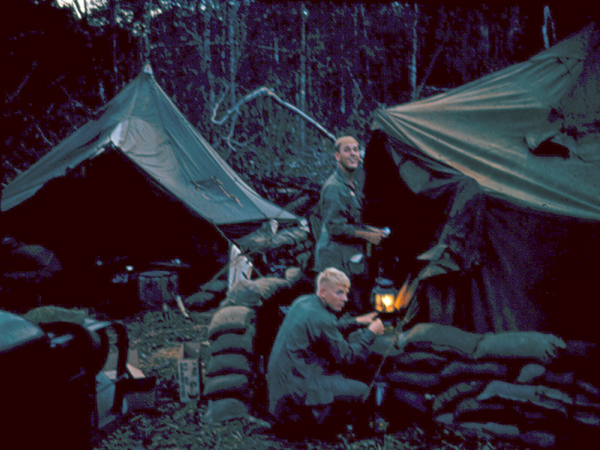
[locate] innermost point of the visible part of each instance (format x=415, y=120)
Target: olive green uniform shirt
x=340, y=207
x=310, y=355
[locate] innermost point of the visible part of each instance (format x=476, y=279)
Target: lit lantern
x=383, y=296
x=405, y=295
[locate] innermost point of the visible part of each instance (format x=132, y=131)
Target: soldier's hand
x=377, y=327
x=366, y=319
x=373, y=237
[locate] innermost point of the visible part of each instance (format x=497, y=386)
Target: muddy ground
x=174, y=425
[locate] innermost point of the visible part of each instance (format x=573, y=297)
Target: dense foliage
x=335, y=61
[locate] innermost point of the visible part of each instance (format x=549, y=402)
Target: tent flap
x=491, y=192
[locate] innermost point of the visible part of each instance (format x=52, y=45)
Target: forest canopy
x=336, y=62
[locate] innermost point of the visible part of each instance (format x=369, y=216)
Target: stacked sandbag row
x=509, y=385
x=285, y=247
x=230, y=368
x=208, y=297
x=231, y=371
x=415, y=364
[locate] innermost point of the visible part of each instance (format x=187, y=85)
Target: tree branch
x=235, y=109
x=78, y=104
x=15, y=94
x=43, y=135
x=437, y=53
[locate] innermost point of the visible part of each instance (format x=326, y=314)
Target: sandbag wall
x=527, y=386
x=228, y=373
x=235, y=369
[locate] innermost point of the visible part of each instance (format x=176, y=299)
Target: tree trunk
x=112, y=6
x=413, y=64
x=207, y=57
x=232, y=51
x=147, y=25
x=304, y=14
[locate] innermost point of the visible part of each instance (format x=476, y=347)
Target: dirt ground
x=174, y=425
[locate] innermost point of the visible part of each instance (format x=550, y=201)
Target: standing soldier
x=342, y=235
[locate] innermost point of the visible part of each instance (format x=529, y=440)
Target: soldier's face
x=348, y=156
x=335, y=296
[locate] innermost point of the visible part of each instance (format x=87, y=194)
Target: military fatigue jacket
x=310, y=347
x=340, y=207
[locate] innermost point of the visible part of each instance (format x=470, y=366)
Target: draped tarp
x=491, y=192
x=489, y=129
x=146, y=126
x=138, y=182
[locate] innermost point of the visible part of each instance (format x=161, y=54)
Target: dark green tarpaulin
x=492, y=193
x=145, y=125
x=138, y=182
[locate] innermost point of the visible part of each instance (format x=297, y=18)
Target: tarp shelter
x=138, y=181
x=492, y=192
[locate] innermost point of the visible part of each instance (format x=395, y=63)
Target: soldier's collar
x=348, y=176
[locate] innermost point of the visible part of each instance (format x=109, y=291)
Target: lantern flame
x=388, y=302
x=405, y=293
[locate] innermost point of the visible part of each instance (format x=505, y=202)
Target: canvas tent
x=492, y=192
x=137, y=181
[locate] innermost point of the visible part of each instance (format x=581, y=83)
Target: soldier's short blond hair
x=342, y=141
x=332, y=277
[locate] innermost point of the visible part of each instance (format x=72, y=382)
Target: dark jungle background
x=335, y=61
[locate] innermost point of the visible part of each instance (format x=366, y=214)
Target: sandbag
x=224, y=409
x=531, y=415
x=588, y=388
x=289, y=236
x=539, y=438
x=231, y=319
x=587, y=418
x=243, y=293
x=584, y=403
x=269, y=286
x=551, y=378
x=385, y=344
x=542, y=439
x=418, y=380
x=530, y=372
x=492, y=429
x=446, y=418
x=293, y=274
x=532, y=345
x=419, y=361
x=200, y=301
x=468, y=370
x=227, y=363
x=451, y=396
x=433, y=337
x=536, y=417
x=50, y=313
x=216, y=286
x=234, y=385
x=469, y=410
x=414, y=400
x=538, y=395
x=233, y=343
